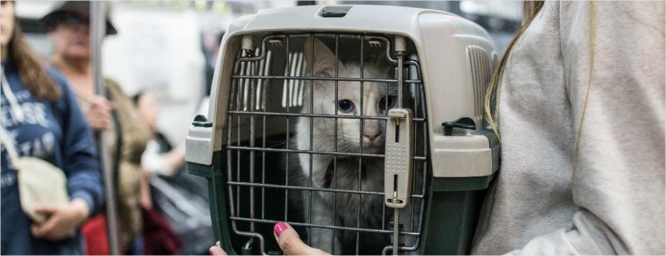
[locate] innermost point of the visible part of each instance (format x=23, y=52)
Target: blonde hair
x=530, y=11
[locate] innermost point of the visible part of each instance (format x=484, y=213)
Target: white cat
x=352, y=137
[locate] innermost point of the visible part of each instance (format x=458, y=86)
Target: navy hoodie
x=58, y=133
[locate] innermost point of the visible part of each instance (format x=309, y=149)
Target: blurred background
x=168, y=47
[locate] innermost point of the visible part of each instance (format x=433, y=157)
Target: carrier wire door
x=267, y=95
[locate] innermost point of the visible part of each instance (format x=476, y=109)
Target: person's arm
x=79, y=153
x=613, y=54
x=175, y=158
x=64, y=220
x=80, y=164
x=163, y=163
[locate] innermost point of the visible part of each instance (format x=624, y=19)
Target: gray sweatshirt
x=581, y=112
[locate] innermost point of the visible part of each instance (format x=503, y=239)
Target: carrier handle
x=334, y=11
x=463, y=123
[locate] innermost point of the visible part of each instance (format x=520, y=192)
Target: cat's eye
x=346, y=106
x=384, y=105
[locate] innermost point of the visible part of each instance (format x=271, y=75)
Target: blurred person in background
x=42, y=119
x=181, y=197
x=160, y=156
x=158, y=235
x=68, y=27
x=211, y=62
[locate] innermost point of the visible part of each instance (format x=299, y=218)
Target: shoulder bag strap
x=9, y=145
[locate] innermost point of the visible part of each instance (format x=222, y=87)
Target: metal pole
x=97, y=33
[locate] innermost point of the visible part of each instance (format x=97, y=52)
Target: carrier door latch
x=398, y=158
x=334, y=11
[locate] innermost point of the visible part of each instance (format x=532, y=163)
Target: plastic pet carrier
x=361, y=126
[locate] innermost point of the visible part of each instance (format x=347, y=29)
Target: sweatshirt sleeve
x=613, y=54
x=80, y=161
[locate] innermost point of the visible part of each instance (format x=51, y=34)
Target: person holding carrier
x=578, y=103
x=41, y=119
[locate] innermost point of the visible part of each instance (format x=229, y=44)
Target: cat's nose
x=371, y=135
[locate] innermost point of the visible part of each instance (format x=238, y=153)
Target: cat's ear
x=385, y=65
x=324, y=58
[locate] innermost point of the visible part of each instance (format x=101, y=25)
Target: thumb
x=291, y=243
x=40, y=230
x=217, y=250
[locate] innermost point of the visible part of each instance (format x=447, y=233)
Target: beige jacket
x=135, y=137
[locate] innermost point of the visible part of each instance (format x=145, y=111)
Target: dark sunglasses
x=74, y=21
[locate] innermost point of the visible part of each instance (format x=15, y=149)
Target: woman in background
x=40, y=114
x=181, y=197
x=68, y=27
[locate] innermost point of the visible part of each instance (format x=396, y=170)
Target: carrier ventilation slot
x=479, y=70
x=292, y=92
x=260, y=69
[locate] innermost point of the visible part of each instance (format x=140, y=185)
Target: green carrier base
x=451, y=212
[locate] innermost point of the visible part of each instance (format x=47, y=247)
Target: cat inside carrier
x=361, y=126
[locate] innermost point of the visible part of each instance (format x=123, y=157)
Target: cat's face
x=352, y=133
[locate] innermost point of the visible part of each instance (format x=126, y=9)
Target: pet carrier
x=361, y=126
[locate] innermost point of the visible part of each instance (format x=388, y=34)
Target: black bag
x=186, y=210
x=183, y=200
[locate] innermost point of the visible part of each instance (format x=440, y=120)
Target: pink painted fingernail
x=279, y=228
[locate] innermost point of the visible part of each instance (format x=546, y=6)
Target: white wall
x=158, y=50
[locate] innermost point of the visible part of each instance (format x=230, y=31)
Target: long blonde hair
x=530, y=11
